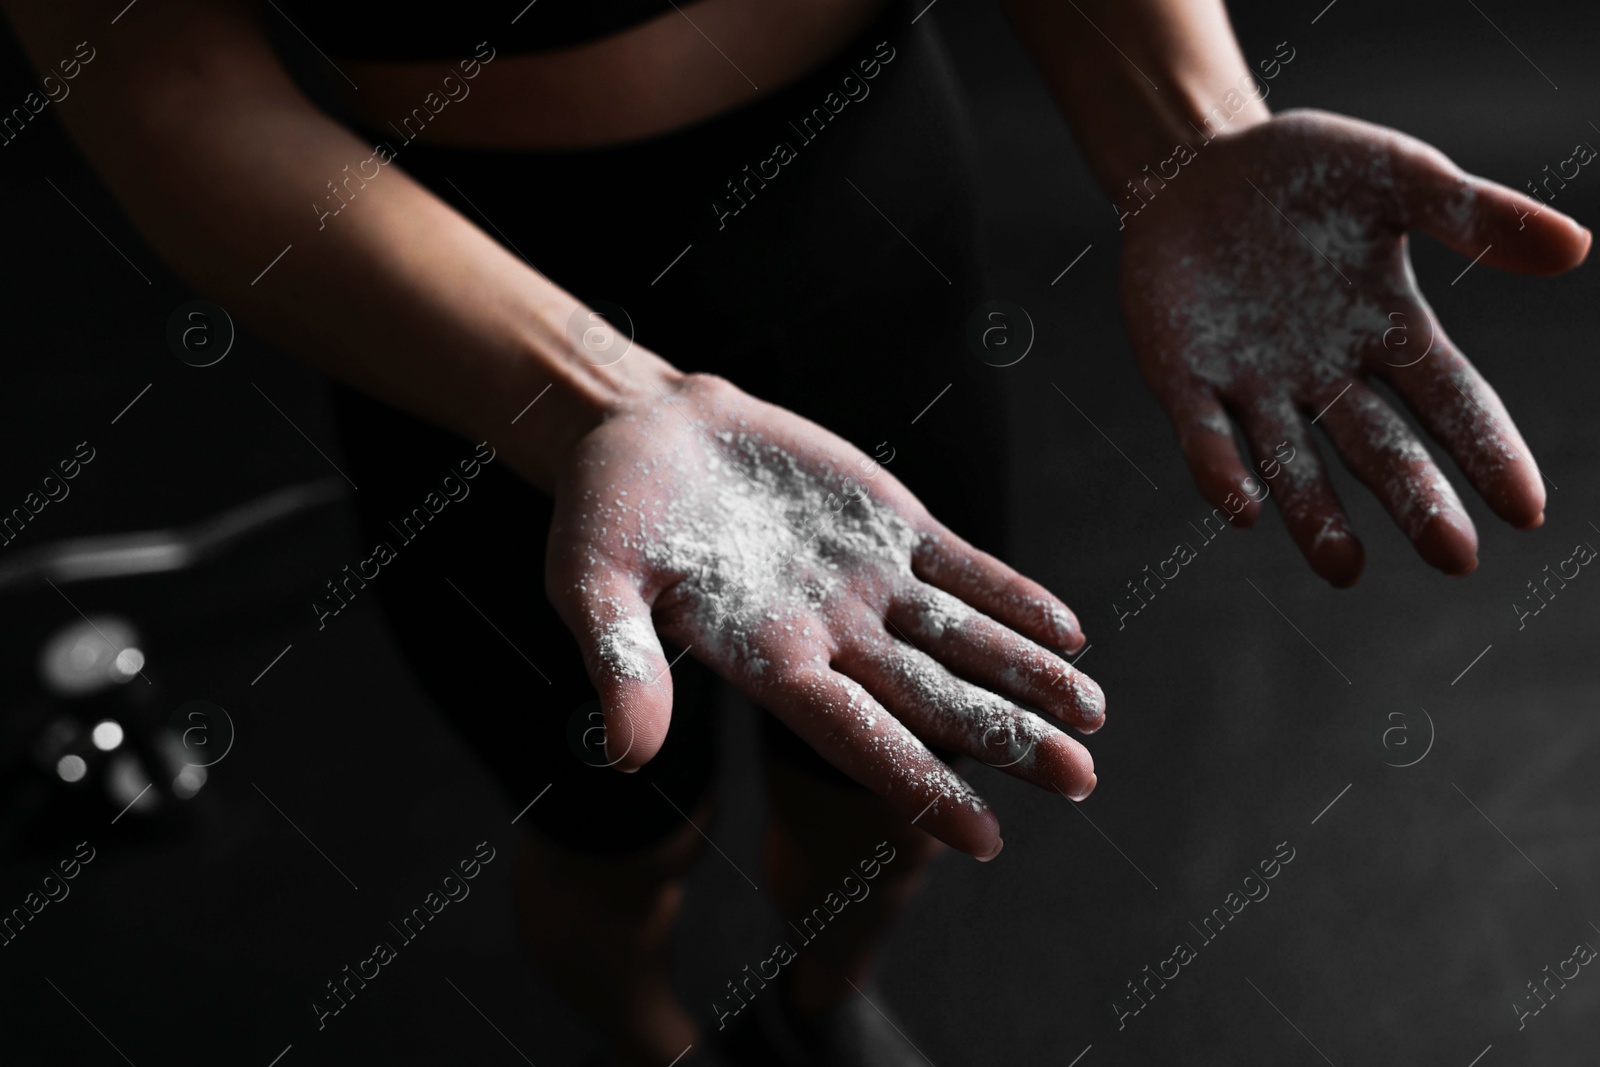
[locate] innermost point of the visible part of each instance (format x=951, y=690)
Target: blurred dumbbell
x=105, y=727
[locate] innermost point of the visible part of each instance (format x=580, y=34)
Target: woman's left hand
x=1273, y=281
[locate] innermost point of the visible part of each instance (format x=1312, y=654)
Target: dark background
x=1402, y=931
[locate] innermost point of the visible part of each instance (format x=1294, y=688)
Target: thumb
x=625, y=663
x=1472, y=214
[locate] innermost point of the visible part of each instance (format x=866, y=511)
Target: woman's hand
x=812, y=580
x=1271, y=282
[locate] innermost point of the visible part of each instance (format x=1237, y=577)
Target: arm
x=216, y=156
x=1160, y=70
x=1266, y=279
x=774, y=551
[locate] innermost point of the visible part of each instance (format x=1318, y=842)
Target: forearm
x=218, y=162
x=1139, y=78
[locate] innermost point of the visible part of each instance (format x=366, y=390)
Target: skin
x=848, y=658
x=403, y=297
x=1240, y=211
x=1223, y=221
x=650, y=79
x=610, y=954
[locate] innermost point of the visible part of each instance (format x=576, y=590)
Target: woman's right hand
x=783, y=558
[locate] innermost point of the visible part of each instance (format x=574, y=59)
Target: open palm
x=784, y=559
x=1273, y=285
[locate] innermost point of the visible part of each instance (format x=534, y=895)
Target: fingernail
x=998, y=845
x=1086, y=789
x=628, y=770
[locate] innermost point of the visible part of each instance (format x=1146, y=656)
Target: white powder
x=1278, y=317
x=1057, y=616
x=757, y=551
x=1345, y=240
x=1411, y=476
x=1279, y=309
x=994, y=729
x=939, y=612
x=1088, y=697
x=1472, y=420
x=915, y=768
x=1217, y=422
x=956, y=568
x=1307, y=339
x=627, y=647
x=761, y=545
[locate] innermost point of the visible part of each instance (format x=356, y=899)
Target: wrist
x=1164, y=134
x=1174, y=137
x=1144, y=81
x=570, y=371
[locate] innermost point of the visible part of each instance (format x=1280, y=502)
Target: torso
x=667, y=73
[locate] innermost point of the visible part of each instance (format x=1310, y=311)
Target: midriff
x=671, y=72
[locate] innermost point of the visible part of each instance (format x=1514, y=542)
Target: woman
x=775, y=194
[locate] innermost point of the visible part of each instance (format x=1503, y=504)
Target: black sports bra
x=455, y=28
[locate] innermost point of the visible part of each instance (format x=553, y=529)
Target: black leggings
x=793, y=283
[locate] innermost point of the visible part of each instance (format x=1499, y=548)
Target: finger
x=976, y=647
x=1205, y=436
x=1293, y=473
x=1382, y=451
x=847, y=726
x=947, y=711
x=942, y=559
x=1475, y=216
x=624, y=659
x=1463, y=413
